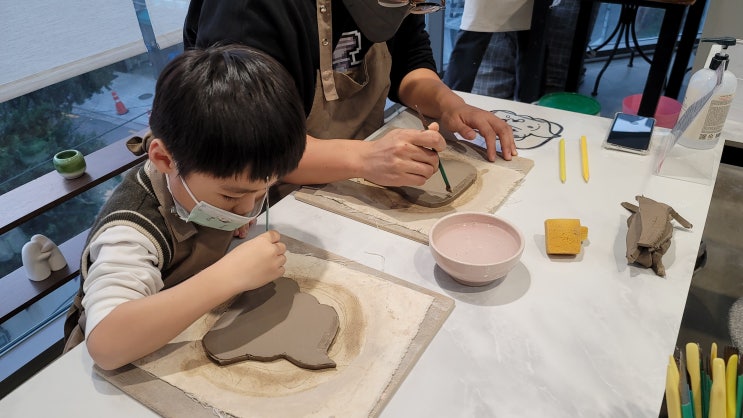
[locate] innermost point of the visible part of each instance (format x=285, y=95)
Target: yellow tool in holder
x=673, y=399
x=692, y=365
x=716, y=383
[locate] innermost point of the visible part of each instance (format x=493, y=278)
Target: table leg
x=686, y=45
x=661, y=59
x=580, y=40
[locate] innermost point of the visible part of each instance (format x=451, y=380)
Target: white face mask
x=211, y=216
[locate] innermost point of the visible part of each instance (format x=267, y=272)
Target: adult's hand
x=402, y=157
x=465, y=119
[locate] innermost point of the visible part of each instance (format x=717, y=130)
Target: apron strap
x=325, y=35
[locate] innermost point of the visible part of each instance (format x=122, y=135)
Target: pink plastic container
x=666, y=114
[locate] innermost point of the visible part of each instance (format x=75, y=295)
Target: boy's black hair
x=226, y=109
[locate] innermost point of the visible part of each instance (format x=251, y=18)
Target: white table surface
x=587, y=336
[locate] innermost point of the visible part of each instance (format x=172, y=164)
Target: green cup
x=69, y=163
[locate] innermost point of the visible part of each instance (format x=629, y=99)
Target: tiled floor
x=715, y=287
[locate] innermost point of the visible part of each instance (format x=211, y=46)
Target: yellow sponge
x=564, y=236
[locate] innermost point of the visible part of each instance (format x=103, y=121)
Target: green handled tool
x=441, y=166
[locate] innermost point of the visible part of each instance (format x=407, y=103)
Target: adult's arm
x=402, y=157
x=414, y=82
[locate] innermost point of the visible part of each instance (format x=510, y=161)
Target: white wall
x=723, y=19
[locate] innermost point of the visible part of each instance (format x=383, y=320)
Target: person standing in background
x=490, y=63
x=496, y=27
x=560, y=32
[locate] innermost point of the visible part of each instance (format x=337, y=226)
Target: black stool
x=625, y=27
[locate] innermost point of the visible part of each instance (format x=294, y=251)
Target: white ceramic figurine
x=41, y=257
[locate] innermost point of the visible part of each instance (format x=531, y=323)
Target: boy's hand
x=254, y=263
x=403, y=157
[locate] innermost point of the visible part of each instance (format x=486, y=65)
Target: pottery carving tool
x=692, y=365
x=731, y=375
x=739, y=391
x=706, y=383
x=584, y=157
x=717, y=402
x=673, y=401
x=687, y=409
x=268, y=204
x=441, y=166
x=562, y=160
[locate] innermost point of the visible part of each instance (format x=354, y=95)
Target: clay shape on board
x=432, y=193
x=271, y=322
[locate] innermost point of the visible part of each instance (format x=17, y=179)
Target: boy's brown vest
x=143, y=202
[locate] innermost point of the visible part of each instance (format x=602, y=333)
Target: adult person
x=347, y=57
x=498, y=28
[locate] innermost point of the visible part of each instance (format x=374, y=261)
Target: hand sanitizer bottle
x=705, y=130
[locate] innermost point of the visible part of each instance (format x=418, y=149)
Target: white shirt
x=496, y=15
x=124, y=268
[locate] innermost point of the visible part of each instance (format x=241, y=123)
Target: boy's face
x=236, y=195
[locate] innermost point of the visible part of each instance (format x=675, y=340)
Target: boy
x=226, y=122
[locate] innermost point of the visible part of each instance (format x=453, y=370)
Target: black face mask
x=377, y=23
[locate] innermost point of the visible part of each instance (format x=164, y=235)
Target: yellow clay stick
x=584, y=157
x=562, y=160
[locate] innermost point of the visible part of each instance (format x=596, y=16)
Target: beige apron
x=195, y=247
x=348, y=105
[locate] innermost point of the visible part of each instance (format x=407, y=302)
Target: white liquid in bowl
x=477, y=243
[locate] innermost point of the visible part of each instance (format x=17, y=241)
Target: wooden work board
x=386, y=209
x=285, y=389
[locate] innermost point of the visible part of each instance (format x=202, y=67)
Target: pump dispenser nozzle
x=718, y=60
x=725, y=41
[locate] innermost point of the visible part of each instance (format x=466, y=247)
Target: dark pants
x=505, y=68
x=465, y=59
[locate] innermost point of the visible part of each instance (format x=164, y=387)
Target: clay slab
x=272, y=322
x=433, y=194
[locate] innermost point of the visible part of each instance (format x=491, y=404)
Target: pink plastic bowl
x=475, y=248
x=666, y=114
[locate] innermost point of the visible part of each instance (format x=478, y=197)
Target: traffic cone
x=120, y=108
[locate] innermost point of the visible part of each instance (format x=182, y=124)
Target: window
x=83, y=82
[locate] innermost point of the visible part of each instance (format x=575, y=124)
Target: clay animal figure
x=649, y=232
x=529, y=132
x=41, y=257
x=271, y=322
